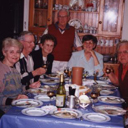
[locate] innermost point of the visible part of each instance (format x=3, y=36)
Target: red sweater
x=65, y=41
x=123, y=84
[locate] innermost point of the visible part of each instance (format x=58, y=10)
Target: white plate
x=104, y=78
x=96, y=117
x=52, y=76
x=37, y=91
x=108, y=87
x=109, y=110
x=75, y=23
x=44, y=98
x=106, y=92
x=49, y=81
x=111, y=99
x=34, y=112
x=67, y=113
x=100, y=82
x=23, y=103
x=50, y=108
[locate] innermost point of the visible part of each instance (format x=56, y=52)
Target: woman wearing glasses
x=88, y=58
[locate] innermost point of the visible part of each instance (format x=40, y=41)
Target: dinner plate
x=34, y=112
x=37, y=91
x=108, y=87
x=44, y=98
x=50, y=108
x=52, y=76
x=109, y=110
x=104, y=78
x=106, y=92
x=101, y=82
x=67, y=113
x=23, y=103
x=49, y=81
x=96, y=117
x=75, y=23
x=111, y=99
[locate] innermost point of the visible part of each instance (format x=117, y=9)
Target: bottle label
x=60, y=100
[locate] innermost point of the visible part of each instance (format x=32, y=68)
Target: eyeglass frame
x=124, y=52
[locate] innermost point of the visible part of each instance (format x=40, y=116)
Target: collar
x=57, y=27
x=82, y=55
x=23, y=56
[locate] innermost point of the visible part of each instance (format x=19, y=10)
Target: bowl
x=84, y=101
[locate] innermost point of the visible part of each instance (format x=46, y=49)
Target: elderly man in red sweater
x=67, y=38
x=121, y=78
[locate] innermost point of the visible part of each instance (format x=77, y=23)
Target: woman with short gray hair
x=10, y=80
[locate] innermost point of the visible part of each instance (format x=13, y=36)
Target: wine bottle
x=61, y=93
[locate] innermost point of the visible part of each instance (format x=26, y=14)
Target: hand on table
x=35, y=85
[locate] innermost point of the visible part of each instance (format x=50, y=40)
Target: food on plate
x=65, y=114
x=23, y=103
x=52, y=75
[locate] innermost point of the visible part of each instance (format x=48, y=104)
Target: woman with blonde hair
x=10, y=80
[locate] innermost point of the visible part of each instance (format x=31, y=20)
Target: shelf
x=40, y=9
x=79, y=11
x=99, y=35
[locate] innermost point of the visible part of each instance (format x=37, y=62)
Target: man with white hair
x=121, y=78
x=67, y=38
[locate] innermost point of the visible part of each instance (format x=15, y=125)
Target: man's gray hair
x=123, y=42
x=63, y=9
x=23, y=34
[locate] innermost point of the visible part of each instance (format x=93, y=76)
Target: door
x=111, y=17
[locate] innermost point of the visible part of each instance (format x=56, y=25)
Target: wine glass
x=95, y=73
x=66, y=71
x=50, y=94
x=86, y=73
x=109, y=69
x=45, y=64
x=94, y=93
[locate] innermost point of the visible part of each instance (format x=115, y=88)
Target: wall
x=26, y=15
x=125, y=24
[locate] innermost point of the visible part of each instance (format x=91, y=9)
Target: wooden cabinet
x=102, y=18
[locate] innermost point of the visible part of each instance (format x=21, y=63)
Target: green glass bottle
x=61, y=93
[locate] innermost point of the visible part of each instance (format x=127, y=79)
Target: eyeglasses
x=124, y=52
x=29, y=42
x=88, y=42
x=62, y=16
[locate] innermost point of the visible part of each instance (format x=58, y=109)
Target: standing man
x=67, y=38
x=26, y=65
x=121, y=78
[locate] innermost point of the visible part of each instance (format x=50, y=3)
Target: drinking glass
x=95, y=75
x=86, y=73
x=109, y=69
x=50, y=94
x=66, y=71
x=45, y=64
x=94, y=93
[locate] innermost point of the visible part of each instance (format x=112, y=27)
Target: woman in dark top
x=43, y=55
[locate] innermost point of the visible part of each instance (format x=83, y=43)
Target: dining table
x=14, y=118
